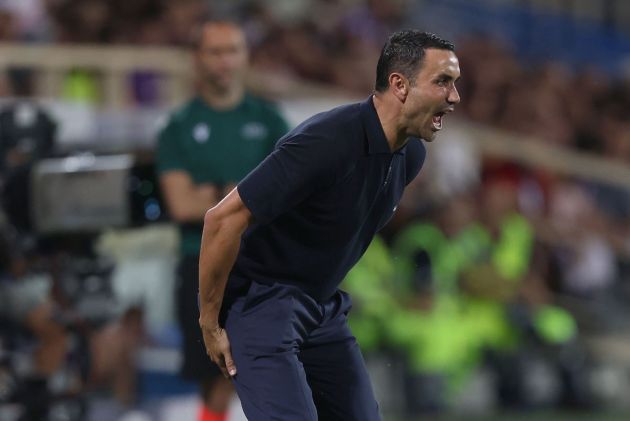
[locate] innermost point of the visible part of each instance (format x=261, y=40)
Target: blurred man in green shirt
x=208, y=145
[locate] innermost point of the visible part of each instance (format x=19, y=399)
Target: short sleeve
x=276, y=124
x=280, y=128
x=170, y=154
x=299, y=166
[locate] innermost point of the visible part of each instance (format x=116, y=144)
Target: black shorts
x=196, y=364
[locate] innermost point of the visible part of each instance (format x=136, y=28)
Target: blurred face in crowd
x=432, y=94
x=222, y=57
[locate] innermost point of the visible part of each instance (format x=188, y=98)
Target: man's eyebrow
x=447, y=77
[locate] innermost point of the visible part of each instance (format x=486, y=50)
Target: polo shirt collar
x=377, y=142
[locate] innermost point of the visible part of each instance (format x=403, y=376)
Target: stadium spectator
x=26, y=301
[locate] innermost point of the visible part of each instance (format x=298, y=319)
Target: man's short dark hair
x=403, y=53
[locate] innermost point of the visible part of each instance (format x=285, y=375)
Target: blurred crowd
x=511, y=265
x=337, y=42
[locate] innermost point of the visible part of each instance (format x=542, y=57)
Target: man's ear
x=399, y=86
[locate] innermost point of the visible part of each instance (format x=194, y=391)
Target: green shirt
x=217, y=147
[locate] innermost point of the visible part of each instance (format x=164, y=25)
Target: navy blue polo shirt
x=319, y=198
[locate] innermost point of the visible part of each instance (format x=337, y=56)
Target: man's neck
x=222, y=100
x=388, y=111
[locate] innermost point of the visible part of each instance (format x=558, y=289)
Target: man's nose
x=453, y=96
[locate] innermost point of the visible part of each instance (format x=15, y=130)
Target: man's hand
x=218, y=348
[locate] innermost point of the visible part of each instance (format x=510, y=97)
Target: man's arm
x=186, y=201
x=222, y=229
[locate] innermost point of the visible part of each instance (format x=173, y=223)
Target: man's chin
x=429, y=137
x=222, y=84
x=222, y=88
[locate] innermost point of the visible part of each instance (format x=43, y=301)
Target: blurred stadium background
x=500, y=290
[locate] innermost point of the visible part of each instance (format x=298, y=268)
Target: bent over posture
x=276, y=248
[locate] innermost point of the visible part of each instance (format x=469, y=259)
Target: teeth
x=437, y=121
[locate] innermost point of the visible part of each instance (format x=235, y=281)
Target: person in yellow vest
x=441, y=341
x=475, y=270
x=369, y=283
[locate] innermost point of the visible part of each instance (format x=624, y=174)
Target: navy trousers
x=296, y=359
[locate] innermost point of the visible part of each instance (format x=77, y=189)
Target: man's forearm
x=223, y=226
x=219, y=247
x=203, y=197
x=187, y=201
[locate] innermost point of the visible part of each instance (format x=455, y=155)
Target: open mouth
x=438, y=117
x=437, y=120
